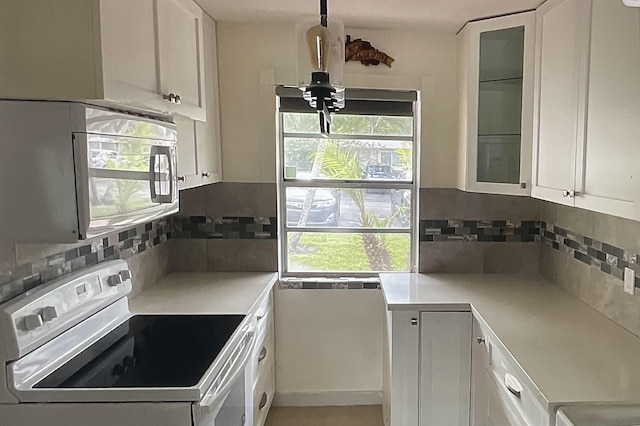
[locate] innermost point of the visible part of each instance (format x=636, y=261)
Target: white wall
x=329, y=347
x=254, y=57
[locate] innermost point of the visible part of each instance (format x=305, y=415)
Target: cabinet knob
x=206, y=174
x=570, y=194
x=414, y=321
x=170, y=97
x=566, y=194
x=177, y=99
x=481, y=340
x=182, y=178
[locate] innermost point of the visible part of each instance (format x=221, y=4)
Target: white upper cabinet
x=607, y=170
x=128, y=56
x=132, y=53
x=496, y=100
x=587, y=104
x=561, y=36
x=181, y=56
x=199, y=156
x=208, y=132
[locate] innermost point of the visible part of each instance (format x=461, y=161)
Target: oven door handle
x=212, y=402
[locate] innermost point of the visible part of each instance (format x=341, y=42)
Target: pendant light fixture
x=321, y=64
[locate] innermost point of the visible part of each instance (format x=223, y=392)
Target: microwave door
x=127, y=180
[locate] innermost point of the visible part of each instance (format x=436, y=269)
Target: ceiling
x=447, y=15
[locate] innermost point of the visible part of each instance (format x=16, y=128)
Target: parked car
x=325, y=208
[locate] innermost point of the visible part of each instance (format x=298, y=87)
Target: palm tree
x=342, y=163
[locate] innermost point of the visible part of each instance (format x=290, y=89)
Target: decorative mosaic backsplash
x=605, y=257
x=121, y=245
x=527, y=231
x=233, y=228
x=309, y=284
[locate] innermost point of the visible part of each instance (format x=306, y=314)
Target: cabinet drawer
x=263, y=397
x=513, y=392
x=263, y=308
x=264, y=355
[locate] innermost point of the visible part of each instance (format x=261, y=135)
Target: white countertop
x=204, y=293
x=572, y=353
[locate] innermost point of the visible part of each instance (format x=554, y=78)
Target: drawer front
x=264, y=308
x=264, y=355
x=263, y=395
x=514, y=391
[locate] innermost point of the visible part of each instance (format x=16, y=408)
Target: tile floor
x=365, y=415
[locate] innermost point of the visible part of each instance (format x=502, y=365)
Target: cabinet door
x=608, y=160
x=404, y=387
x=445, y=368
x=562, y=31
x=180, y=47
x=480, y=359
x=208, y=132
x=187, y=160
x=129, y=52
x=500, y=104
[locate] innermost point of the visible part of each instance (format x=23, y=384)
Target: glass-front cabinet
x=495, y=57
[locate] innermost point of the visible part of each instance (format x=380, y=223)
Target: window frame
x=283, y=183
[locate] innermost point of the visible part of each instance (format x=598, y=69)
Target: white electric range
x=72, y=354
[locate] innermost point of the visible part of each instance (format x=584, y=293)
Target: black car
x=324, y=210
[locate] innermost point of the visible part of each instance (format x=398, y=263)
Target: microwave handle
x=212, y=402
x=155, y=152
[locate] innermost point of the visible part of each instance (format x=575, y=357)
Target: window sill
x=342, y=283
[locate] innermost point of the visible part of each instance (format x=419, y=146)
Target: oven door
x=228, y=400
x=123, y=181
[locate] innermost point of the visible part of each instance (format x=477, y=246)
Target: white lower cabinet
x=501, y=393
x=445, y=368
x=448, y=368
x=262, y=364
x=436, y=346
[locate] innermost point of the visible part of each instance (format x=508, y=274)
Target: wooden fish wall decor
x=363, y=51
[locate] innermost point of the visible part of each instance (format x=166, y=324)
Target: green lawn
x=345, y=252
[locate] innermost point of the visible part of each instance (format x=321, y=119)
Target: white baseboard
x=327, y=398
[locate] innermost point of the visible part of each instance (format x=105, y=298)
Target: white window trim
x=282, y=184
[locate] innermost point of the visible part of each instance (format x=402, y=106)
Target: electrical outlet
x=629, y=280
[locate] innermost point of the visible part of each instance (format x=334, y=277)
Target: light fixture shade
x=320, y=49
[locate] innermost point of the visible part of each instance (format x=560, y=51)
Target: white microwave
x=71, y=171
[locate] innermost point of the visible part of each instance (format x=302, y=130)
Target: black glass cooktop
x=148, y=351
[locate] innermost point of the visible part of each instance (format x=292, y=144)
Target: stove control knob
x=33, y=321
x=125, y=275
x=114, y=280
x=49, y=313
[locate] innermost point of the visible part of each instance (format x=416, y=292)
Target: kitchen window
x=347, y=203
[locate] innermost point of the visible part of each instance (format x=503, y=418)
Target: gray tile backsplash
x=36, y=264
x=226, y=227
